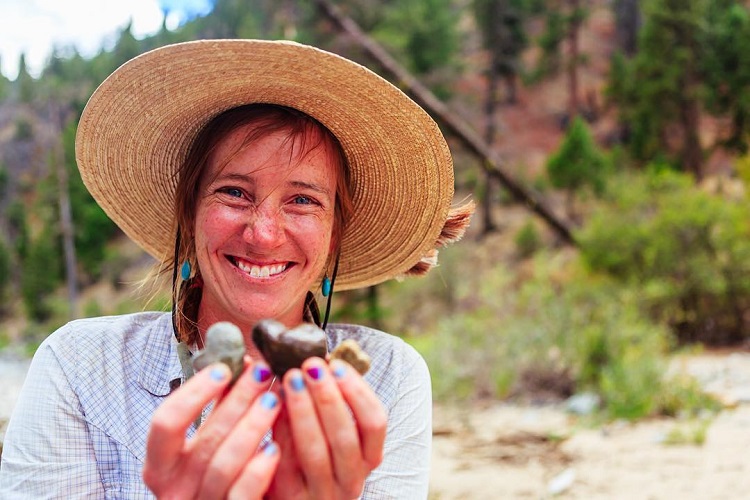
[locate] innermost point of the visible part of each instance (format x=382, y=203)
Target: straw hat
x=138, y=125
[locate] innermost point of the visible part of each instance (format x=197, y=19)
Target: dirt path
x=502, y=451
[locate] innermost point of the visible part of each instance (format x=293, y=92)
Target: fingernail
x=268, y=400
x=271, y=449
x=297, y=383
x=218, y=373
x=339, y=370
x=261, y=373
x=315, y=372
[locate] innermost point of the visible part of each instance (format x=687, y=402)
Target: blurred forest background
x=606, y=145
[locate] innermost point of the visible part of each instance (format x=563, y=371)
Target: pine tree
x=667, y=83
x=578, y=163
x=24, y=81
x=726, y=67
x=501, y=25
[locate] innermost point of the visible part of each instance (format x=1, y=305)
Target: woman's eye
x=233, y=192
x=302, y=200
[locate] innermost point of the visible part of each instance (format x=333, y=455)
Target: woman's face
x=263, y=227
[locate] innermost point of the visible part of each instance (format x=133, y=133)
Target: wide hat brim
x=136, y=129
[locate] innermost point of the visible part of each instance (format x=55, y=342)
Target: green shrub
x=693, y=432
x=578, y=162
x=682, y=396
x=527, y=240
x=24, y=131
x=561, y=329
x=92, y=309
x=5, y=277
x=687, y=251
x=631, y=385
x=39, y=281
x=93, y=228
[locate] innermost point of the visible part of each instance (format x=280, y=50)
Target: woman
x=256, y=172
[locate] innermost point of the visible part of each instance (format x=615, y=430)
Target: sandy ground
x=501, y=451
x=498, y=451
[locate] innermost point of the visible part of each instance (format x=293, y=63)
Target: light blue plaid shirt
x=80, y=424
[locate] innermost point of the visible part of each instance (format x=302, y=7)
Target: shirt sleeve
x=405, y=470
x=48, y=452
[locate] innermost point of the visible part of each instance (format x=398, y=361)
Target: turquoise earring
x=325, y=286
x=185, y=271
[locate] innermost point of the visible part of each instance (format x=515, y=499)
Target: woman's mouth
x=256, y=271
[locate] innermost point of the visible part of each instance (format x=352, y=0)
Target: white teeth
x=261, y=272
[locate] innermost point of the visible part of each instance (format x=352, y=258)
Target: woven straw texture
x=138, y=125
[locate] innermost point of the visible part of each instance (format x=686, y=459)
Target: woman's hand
x=331, y=433
x=222, y=459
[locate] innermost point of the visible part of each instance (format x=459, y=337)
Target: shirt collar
x=159, y=364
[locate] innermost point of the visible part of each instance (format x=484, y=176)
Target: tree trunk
x=66, y=218
x=373, y=308
x=692, y=153
x=627, y=25
x=511, y=90
x=490, y=106
x=574, y=29
x=460, y=129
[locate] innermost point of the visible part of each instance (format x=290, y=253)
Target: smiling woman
x=266, y=207
x=256, y=172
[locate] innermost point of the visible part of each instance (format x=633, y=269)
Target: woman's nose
x=265, y=227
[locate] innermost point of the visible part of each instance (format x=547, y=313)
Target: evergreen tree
x=423, y=35
x=93, y=228
x=4, y=87
x=37, y=284
x=501, y=23
x=727, y=70
x=550, y=42
x=577, y=163
x=564, y=20
x=127, y=46
x=501, y=26
x=666, y=90
x=5, y=276
x=627, y=25
x=25, y=82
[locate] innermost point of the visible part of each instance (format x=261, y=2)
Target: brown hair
x=268, y=119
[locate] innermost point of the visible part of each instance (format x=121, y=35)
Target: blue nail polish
x=268, y=400
x=297, y=383
x=339, y=370
x=271, y=449
x=218, y=374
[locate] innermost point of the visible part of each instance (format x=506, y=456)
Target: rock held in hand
x=284, y=349
x=225, y=344
x=349, y=351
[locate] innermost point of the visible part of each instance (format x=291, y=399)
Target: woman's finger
x=224, y=417
x=368, y=411
x=309, y=438
x=166, y=437
x=338, y=425
x=288, y=481
x=239, y=447
x=256, y=476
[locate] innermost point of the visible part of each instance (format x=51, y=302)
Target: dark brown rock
x=284, y=349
